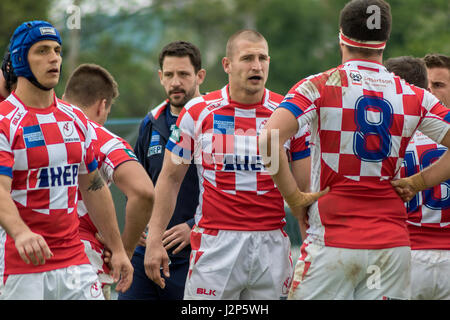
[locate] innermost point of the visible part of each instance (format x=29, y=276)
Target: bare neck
x=240, y=95
x=346, y=56
x=32, y=96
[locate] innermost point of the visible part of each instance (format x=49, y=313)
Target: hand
x=155, y=259
x=32, y=246
x=404, y=188
x=301, y=213
x=121, y=271
x=142, y=239
x=181, y=233
x=106, y=251
x=304, y=199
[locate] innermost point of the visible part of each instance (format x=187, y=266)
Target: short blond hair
x=247, y=34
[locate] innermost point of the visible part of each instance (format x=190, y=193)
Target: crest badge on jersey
x=68, y=131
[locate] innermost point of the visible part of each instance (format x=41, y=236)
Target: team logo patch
x=130, y=153
x=68, y=131
x=96, y=290
x=33, y=136
x=176, y=134
x=223, y=124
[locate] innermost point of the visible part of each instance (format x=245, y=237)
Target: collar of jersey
x=46, y=110
x=243, y=105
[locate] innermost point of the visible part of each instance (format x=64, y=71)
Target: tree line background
x=125, y=37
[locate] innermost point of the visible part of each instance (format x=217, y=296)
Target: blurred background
x=125, y=37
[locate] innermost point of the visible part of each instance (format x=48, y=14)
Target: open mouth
x=53, y=70
x=255, y=78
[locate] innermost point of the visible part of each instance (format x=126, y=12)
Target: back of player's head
x=27, y=34
x=182, y=49
x=246, y=34
x=90, y=83
x=368, y=22
x=435, y=60
x=7, y=70
x=411, y=69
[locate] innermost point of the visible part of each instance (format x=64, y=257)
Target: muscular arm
x=131, y=178
x=166, y=192
x=301, y=171
x=281, y=126
x=31, y=246
x=99, y=203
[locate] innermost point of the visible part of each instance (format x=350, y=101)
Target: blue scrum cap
x=27, y=34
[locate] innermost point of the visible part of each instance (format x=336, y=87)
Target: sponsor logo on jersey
x=176, y=134
x=53, y=177
x=47, y=31
x=155, y=144
x=223, y=124
x=233, y=162
x=356, y=77
x=33, y=136
x=130, y=153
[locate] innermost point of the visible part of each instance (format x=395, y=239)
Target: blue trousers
x=143, y=288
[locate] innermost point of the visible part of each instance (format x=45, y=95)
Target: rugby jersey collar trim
x=365, y=65
x=15, y=100
x=226, y=96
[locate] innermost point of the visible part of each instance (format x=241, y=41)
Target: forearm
x=284, y=179
x=138, y=211
x=99, y=203
x=165, y=201
x=10, y=219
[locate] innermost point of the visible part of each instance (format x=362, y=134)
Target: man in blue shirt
x=181, y=76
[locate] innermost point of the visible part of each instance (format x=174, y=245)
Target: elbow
x=143, y=194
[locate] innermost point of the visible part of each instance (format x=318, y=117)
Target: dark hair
x=182, y=49
x=354, y=23
x=89, y=83
x=8, y=71
x=411, y=69
x=436, y=60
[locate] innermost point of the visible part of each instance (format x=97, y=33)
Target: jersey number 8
x=373, y=118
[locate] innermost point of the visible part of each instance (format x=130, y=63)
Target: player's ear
x=226, y=63
x=201, y=74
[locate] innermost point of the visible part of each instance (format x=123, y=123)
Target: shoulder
x=157, y=111
x=75, y=112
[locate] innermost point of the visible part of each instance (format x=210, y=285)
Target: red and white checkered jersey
x=236, y=192
x=429, y=211
x=110, y=152
x=44, y=151
x=362, y=118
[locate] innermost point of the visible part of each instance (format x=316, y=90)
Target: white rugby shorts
x=95, y=257
x=78, y=282
x=331, y=273
x=430, y=274
x=232, y=265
